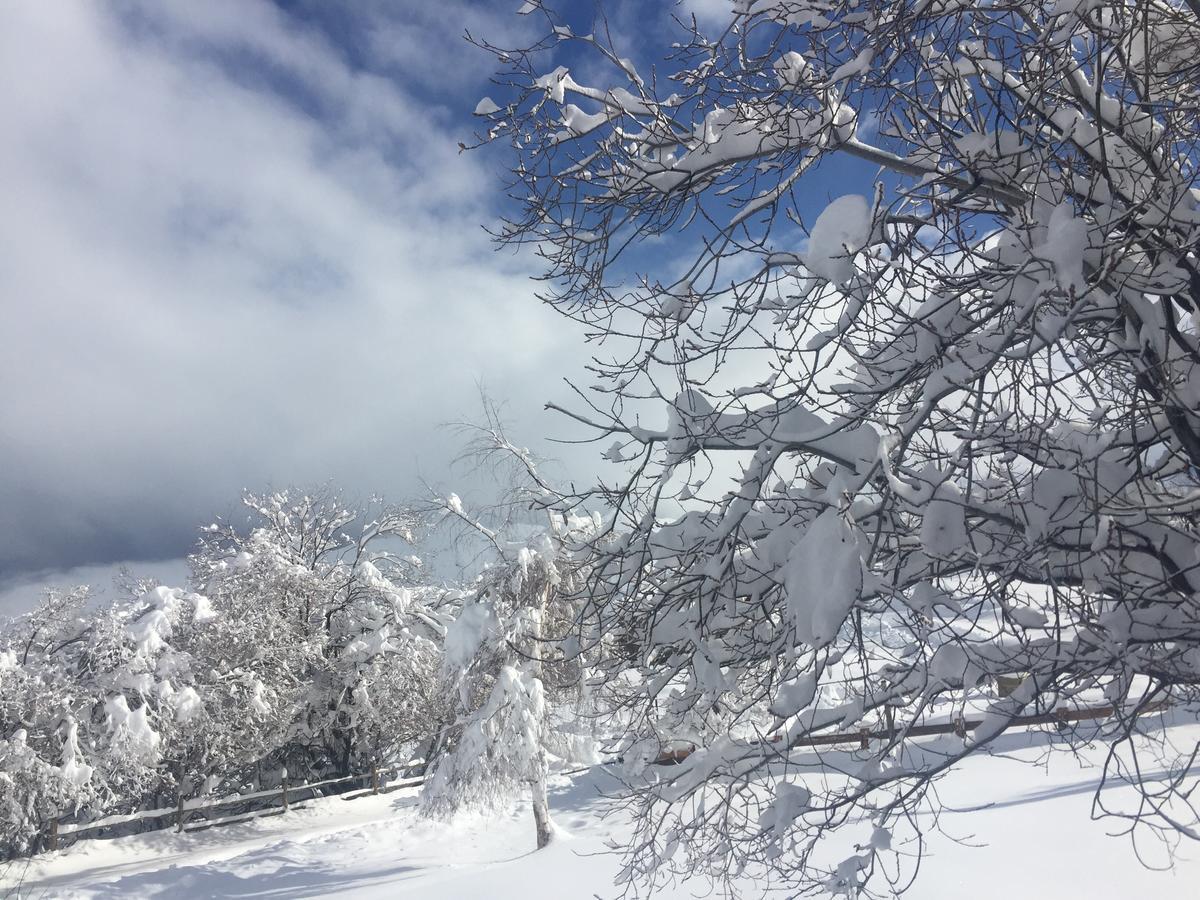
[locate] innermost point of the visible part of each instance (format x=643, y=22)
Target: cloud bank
x=240, y=249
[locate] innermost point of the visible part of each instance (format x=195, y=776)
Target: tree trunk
x=541, y=805
x=541, y=813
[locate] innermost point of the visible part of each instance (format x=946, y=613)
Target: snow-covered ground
x=1023, y=832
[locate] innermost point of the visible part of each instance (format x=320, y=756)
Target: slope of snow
x=1011, y=829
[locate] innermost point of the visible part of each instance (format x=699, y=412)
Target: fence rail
x=961, y=725
x=195, y=815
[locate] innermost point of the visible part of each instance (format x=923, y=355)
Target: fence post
x=179, y=813
x=889, y=715
x=864, y=741
x=52, y=835
x=960, y=727
x=284, y=784
x=374, y=778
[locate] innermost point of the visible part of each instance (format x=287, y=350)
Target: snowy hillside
x=1010, y=830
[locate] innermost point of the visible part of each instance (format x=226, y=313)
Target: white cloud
x=708, y=13
x=227, y=258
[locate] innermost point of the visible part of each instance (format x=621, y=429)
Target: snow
x=187, y=704
x=860, y=65
x=943, y=526
x=133, y=725
x=791, y=69
x=150, y=631
x=999, y=810
x=486, y=107
x=795, y=695
x=202, y=610
x=1027, y=617
x=791, y=800
x=841, y=230
x=467, y=632
x=951, y=666
x=581, y=122
x=1066, y=241
x=824, y=578
x=73, y=770
x=258, y=700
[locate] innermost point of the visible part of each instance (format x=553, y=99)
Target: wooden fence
x=959, y=725
x=197, y=815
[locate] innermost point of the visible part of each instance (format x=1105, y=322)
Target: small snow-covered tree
x=517, y=686
x=942, y=428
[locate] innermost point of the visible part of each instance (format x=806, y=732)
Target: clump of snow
x=486, y=107
x=841, y=230
x=1027, y=616
x=791, y=69
x=467, y=632
x=823, y=578
x=72, y=767
x=187, y=705
x=258, y=698
x=881, y=838
x=795, y=695
x=943, y=526
x=953, y=667
x=202, y=609
x=149, y=633
x=132, y=726
x=1066, y=241
x=791, y=801
x=860, y=65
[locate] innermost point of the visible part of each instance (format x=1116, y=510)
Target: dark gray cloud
x=235, y=254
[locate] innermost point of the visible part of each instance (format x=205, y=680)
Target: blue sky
x=240, y=249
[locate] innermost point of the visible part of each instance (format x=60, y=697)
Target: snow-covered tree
x=43, y=772
x=915, y=285
x=312, y=644
x=518, y=689
x=337, y=635
x=93, y=705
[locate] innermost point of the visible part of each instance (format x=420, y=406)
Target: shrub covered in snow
x=303, y=647
x=336, y=644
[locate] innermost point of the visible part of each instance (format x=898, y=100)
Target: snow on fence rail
x=260, y=804
x=958, y=725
